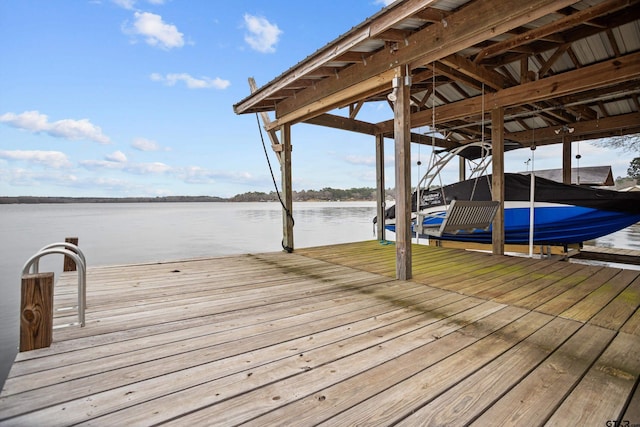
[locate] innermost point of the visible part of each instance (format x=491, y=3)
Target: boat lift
x=461, y=215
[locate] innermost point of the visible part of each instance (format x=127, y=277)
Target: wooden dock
x=624, y=256
x=327, y=336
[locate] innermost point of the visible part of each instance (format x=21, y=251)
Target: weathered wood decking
x=327, y=336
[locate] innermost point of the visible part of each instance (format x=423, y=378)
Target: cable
x=288, y=212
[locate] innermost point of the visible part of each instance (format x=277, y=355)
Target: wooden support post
x=36, y=311
x=402, y=134
x=287, y=188
x=275, y=143
x=380, y=191
x=566, y=160
x=497, y=185
x=69, y=264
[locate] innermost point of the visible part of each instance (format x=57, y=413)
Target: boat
x=563, y=214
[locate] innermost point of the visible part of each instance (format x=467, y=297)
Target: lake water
x=115, y=233
x=148, y=232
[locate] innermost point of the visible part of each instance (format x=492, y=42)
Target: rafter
x=355, y=108
x=491, y=78
x=583, y=130
x=478, y=21
x=344, y=123
x=393, y=35
x=332, y=50
x=596, y=76
x=560, y=25
x=431, y=14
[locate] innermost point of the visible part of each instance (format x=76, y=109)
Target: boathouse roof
x=560, y=69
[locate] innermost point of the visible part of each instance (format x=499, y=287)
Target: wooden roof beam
x=393, y=35
x=354, y=109
x=491, y=78
x=477, y=21
x=419, y=138
x=583, y=130
x=377, y=24
x=557, y=26
x=431, y=14
x=324, y=72
x=344, y=123
x=445, y=70
x=352, y=57
x=604, y=74
x=613, y=20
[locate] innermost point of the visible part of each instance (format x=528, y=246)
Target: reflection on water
x=126, y=233
x=628, y=238
x=149, y=232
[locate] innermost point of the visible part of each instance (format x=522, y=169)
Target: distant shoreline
x=32, y=200
x=324, y=195
x=42, y=200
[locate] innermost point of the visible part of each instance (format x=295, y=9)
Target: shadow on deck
x=327, y=335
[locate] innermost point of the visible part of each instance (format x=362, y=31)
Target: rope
x=433, y=128
x=475, y=182
x=578, y=157
x=288, y=249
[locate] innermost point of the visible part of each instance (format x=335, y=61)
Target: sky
x=133, y=98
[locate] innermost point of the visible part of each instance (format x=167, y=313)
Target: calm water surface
x=146, y=232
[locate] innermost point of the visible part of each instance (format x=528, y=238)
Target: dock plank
x=252, y=404
x=530, y=401
x=567, y=301
x=226, y=383
x=192, y=342
x=466, y=400
x=601, y=395
x=327, y=335
x=600, y=297
x=618, y=311
x=399, y=385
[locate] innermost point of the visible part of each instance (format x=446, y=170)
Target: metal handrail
x=36, y=265
x=78, y=257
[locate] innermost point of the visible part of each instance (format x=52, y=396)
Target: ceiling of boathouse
x=559, y=69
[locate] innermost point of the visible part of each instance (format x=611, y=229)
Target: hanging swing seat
x=463, y=216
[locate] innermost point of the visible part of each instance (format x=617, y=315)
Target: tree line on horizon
x=326, y=194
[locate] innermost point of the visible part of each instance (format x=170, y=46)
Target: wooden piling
x=70, y=264
x=36, y=311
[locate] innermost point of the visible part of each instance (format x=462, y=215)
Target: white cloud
x=101, y=164
x=262, y=35
x=126, y=4
x=28, y=177
x=157, y=33
x=190, y=81
x=53, y=159
x=144, y=144
x=361, y=160
x=70, y=129
x=384, y=2
x=130, y=4
x=147, y=168
x=188, y=175
x=199, y=175
x=116, y=156
x=135, y=168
